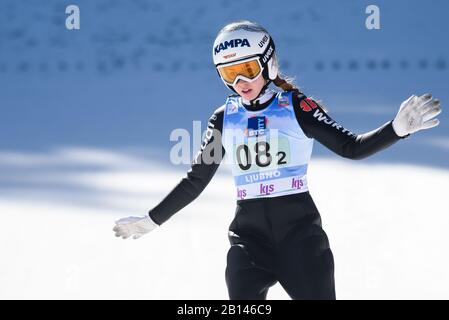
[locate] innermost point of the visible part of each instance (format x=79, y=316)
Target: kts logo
x=256, y=126
x=231, y=44
x=307, y=105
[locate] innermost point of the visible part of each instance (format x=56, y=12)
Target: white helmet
x=242, y=40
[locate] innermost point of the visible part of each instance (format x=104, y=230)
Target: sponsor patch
x=234, y=43
x=232, y=108
x=256, y=126
x=229, y=55
x=307, y=104
x=283, y=100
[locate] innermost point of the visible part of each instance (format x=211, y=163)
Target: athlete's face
x=250, y=90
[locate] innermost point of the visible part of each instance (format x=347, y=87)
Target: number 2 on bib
x=261, y=155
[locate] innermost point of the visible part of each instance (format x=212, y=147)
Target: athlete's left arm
x=317, y=124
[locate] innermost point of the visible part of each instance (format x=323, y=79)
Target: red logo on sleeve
x=307, y=104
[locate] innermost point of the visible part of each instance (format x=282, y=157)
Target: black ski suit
x=279, y=238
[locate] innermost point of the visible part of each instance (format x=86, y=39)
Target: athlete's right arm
x=203, y=168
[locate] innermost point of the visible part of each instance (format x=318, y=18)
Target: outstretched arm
x=317, y=124
x=203, y=168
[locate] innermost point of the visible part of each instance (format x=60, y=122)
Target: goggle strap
x=267, y=54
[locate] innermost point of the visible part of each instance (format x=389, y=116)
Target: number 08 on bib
x=267, y=149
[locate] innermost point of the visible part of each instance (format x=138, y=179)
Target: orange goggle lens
x=249, y=69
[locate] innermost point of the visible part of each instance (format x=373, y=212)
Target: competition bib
x=267, y=149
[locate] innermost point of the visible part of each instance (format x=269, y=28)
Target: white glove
x=134, y=226
x=415, y=114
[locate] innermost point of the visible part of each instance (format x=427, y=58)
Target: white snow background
x=387, y=226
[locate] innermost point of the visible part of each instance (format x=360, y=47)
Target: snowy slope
x=386, y=224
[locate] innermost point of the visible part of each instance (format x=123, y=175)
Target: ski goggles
x=247, y=70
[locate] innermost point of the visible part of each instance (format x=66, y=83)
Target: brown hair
x=286, y=83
